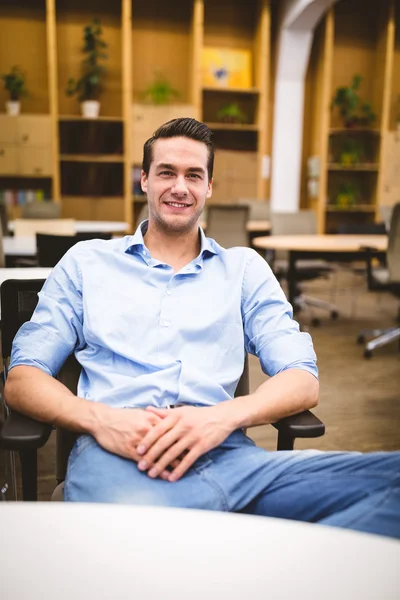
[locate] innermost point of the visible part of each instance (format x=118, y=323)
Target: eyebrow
x=173, y=168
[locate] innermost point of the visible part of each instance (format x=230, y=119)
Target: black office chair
x=384, y=279
x=24, y=435
x=51, y=248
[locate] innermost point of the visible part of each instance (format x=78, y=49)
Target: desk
x=89, y=226
x=19, y=246
x=319, y=246
x=66, y=551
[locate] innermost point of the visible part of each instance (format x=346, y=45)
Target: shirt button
x=168, y=292
x=166, y=323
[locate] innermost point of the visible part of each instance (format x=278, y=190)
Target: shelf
x=351, y=131
x=85, y=119
x=24, y=176
x=232, y=127
x=359, y=208
x=252, y=90
x=88, y=197
x=93, y=158
x=361, y=167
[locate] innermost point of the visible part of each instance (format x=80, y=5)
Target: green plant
x=351, y=108
x=160, y=90
x=347, y=194
x=88, y=86
x=14, y=83
x=231, y=113
x=351, y=151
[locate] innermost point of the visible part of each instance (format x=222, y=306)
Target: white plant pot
x=13, y=107
x=90, y=109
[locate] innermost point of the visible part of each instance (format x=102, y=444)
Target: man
x=163, y=319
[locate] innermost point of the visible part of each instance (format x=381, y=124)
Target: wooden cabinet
x=25, y=145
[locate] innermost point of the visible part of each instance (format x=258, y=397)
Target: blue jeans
x=343, y=489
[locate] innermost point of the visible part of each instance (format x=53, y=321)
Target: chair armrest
x=23, y=433
x=302, y=425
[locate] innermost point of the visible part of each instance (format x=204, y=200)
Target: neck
x=176, y=248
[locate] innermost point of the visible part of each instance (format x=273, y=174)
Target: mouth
x=178, y=205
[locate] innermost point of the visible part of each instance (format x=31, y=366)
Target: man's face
x=177, y=185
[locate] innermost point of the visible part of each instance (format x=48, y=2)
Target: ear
x=143, y=182
x=209, y=189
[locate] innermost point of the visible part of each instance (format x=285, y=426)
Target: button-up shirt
x=146, y=335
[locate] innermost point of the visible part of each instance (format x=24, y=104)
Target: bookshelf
x=90, y=162
x=346, y=180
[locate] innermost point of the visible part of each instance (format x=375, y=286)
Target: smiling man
x=162, y=320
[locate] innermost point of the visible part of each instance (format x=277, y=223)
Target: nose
x=180, y=188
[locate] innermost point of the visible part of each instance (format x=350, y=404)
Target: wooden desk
x=66, y=551
x=90, y=226
x=319, y=246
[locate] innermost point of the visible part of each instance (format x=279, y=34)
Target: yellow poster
x=226, y=68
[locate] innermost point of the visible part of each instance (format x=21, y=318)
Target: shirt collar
x=136, y=241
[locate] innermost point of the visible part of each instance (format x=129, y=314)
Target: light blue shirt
x=145, y=335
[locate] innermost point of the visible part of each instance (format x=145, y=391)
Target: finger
x=160, y=412
x=170, y=456
x=185, y=464
x=155, y=433
x=159, y=448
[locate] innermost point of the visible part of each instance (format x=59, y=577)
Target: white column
x=298, y=20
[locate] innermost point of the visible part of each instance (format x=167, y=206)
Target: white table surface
x=88, y=226
x=74, y=551
x=24, y=273
x=19, y=246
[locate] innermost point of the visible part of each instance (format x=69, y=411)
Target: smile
x=177, y=204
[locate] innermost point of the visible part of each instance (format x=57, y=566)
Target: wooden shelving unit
x=346, y=45
x=92, y=160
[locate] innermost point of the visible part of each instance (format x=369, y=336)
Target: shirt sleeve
x=270, y=331
x=55, y=328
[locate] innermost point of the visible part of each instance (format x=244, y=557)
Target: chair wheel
x=334, y=315
x=361, y=339
x=367, y=353
x=316, y=322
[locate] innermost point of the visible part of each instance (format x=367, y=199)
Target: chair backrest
x=2, y=258
x=51, y=248
x=385, y=213
x=19, y=298
x=259, y=209
x=27, y=227
x=393, y=251
x=301, y=222
x=362, y=228
x=227, y=224
x=3, y=219
x=41, y=210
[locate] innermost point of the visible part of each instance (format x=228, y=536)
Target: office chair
x=41, y=210
x=51, y=248
x=227, y=224
x=301, y=223
x=24, y=435
x=259, y=209
x=381, y=279
x=2, y=257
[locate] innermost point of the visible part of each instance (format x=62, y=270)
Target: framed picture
x=226, y=68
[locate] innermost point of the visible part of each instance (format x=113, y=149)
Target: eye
x=194, y=176
x=166, y=173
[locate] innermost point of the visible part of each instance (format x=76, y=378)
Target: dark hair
x=183, y=127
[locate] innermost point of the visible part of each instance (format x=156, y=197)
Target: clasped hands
x=180, y=437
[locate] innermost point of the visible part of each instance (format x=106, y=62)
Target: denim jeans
x=344, y=489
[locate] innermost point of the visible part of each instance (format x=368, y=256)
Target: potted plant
x=88, y=86
x=160, y=91
x=231, y=113
x=352, y=109
x=14, y=83
x=351, y=152
x=347, y=195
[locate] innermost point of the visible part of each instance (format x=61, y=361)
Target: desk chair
x=51, y=248
x=259, y=209
x=227, y=224
x=41, y=210
x=381, y=279
x=2, y=257
x=302, y=222
x=24, y=435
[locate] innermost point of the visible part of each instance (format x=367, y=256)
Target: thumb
x=160, y=412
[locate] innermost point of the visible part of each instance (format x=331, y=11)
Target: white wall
x=298, y=18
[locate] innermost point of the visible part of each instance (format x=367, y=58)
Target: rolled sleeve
x=55, y=328
x=271, y=333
